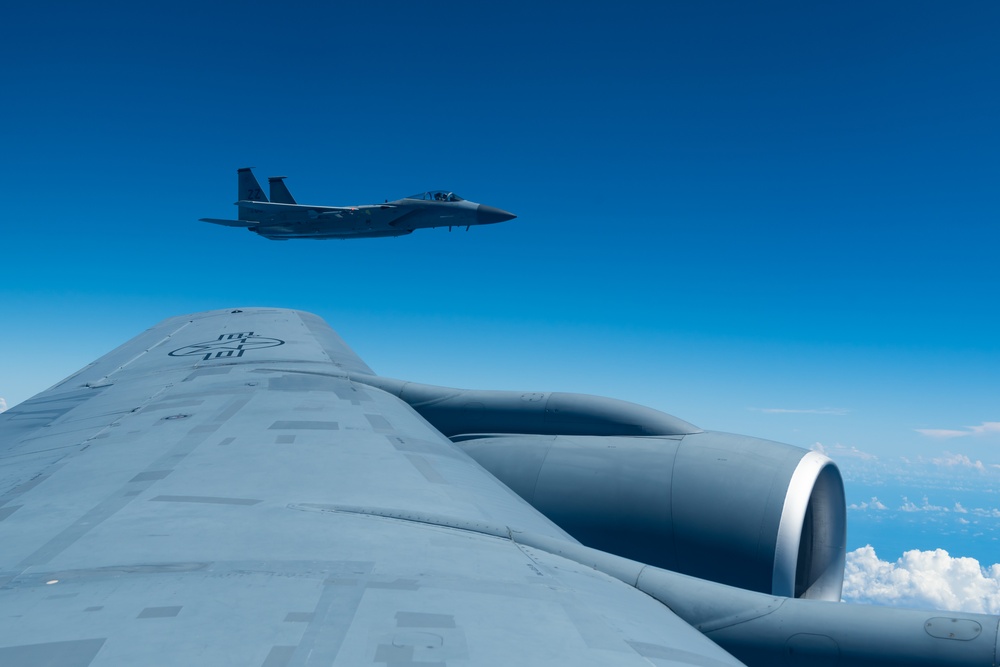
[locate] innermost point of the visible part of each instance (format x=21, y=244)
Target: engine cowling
x=746, y=512
x=645, y=485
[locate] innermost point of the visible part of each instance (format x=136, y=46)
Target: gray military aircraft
x=283, y=218
x=238, y=487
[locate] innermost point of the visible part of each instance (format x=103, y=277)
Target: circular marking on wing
x=227, y=346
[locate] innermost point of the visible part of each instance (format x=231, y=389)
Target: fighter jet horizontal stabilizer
x=229, y=223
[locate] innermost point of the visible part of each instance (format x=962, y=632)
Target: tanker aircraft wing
x=237, y=487
x=282, y=218
x=219, y=491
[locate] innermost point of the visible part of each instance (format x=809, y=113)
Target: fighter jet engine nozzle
x=487, y=215
x=741, y=511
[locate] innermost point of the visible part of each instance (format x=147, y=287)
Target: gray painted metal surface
x=695, y=503
x=282, y=218
x=169, y=505
x=764, y=630
x=237, y=487
x=458, y=412
x=690, y=501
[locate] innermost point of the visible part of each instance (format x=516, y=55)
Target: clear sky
x=776, y=218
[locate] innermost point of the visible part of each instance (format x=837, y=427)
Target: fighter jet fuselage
x=283, y=218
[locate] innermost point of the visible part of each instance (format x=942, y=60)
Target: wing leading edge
x=219, y=491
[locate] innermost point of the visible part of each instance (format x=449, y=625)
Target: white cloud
x=875, y=504
x=909, y=506
x=3, y=404
x=929, y=579
x=945, y=472
x=839, y=451
x=950, y=460
x=804, y=411
x=940, y=432
x=992, y=513
x=986, y=428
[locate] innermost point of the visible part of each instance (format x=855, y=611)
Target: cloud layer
x=839, y=452
x=986, y=428
x=804, y=411
x=3, y=404
x=922, y=579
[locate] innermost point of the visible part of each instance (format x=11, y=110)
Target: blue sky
x=772, y=218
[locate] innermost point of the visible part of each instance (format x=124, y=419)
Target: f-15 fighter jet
x=283, y=218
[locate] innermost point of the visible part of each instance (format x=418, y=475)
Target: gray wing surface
x=217, y=491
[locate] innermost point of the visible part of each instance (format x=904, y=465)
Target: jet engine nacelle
x=741, y=511
x=645, y=485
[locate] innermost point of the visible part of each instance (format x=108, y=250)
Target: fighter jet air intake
x=283, y=218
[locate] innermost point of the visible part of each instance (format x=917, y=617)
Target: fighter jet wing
x=218, y=491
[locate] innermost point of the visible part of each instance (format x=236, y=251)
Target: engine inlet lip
x=804, y=488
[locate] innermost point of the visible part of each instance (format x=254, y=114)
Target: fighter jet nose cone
x=486, y=215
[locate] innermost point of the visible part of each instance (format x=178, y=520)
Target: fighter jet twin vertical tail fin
x=249, y=191
x=249, y=187
x=279, y=191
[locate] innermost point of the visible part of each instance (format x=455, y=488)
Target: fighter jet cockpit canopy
x=436, y=195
